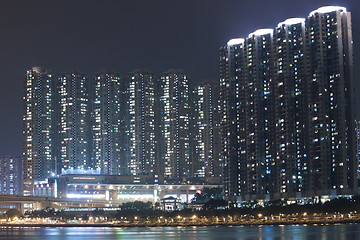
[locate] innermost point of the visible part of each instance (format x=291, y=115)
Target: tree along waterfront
x=212, y=212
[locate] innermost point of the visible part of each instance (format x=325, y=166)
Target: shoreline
x=190, y=224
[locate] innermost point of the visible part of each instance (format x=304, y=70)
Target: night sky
x=123, y=35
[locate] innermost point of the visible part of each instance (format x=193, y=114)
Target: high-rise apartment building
x=10, y=175
x=205, y=132
x=141, y=107
x=175, y=125
x=331, y=100
x=288, y=110
x=74, y=124
x=38, y=127
x=112, y=125
x=106, y=110
x=291, y=101
x=232, y=70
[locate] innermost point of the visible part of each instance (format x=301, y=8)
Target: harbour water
x=313, y=232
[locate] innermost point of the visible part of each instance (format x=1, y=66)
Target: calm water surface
x=339, y=232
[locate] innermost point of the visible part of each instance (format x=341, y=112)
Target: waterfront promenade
x=193, y=221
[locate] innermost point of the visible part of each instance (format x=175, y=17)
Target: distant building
x=106, y=111
x=332, y=156
x=141, y=109
x=74, y=124
x=138, y=125
x=10, y=175
x=112, y=190
x=39, y=126
x=169, y=204
x=175, y=125
x=288, y=110
x=205, y=129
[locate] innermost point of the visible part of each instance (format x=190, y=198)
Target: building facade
x=288, y=110
x=141, y=109
x=38, y=126
x=138, y=125
x=105, y=107
x=74, y=124
x=331, y=95
x=205, y=131
x=10, y=175
x=175, y=125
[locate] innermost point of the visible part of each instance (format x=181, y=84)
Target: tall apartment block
x=288, y=125
x=205, y=132
x=74, y=124
x=38, y=127
x=331, y=96
x=175, y=125
x=112, y=125
x=291, y=103
x=10, y=175
x=141, y=109
x=106, y=110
